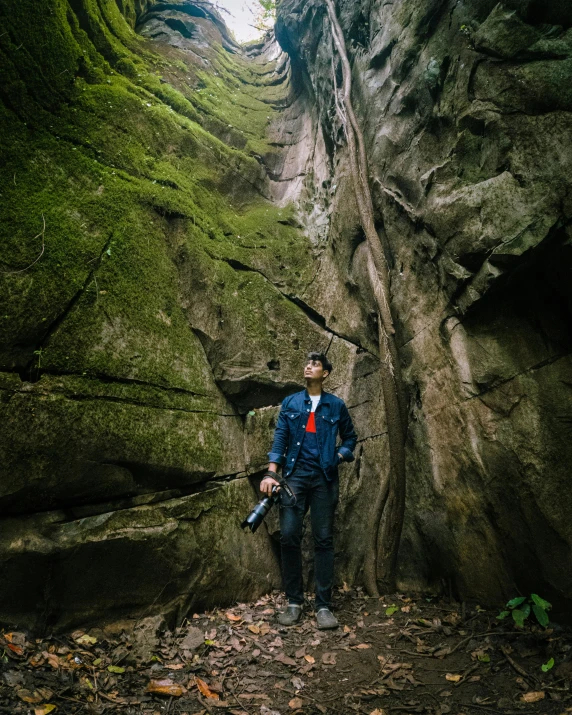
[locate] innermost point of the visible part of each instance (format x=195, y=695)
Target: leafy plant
x=521, y=607
x=265, y=15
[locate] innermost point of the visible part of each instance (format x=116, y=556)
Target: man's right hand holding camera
x=269, y=482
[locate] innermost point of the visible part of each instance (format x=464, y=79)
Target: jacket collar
x=324, y=399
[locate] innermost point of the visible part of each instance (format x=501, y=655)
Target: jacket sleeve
x=347, y=435
x=281, y=437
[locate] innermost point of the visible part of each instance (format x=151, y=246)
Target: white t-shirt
x=315, y=399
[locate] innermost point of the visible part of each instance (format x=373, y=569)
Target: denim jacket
x=332, y=417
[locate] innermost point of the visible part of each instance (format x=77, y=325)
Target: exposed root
x=380, y=561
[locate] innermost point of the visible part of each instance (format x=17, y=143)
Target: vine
x=389, y=509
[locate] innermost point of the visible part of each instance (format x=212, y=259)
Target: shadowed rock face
x=466, y=108
x=144, y=355
x=201, y=236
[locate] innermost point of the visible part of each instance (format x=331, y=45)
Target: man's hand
x=266, y=485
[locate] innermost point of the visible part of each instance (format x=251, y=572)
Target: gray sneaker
x=291, y=615
x=326, y=619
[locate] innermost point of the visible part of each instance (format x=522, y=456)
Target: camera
x=256, y=516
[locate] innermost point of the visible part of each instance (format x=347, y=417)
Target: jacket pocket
x=331, y=421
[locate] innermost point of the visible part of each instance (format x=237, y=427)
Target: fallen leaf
x=362, y=646
x=256, y=653
x=281, y=658
x=378, y=711
x=347, y=629
x=453, y=678
x=44, y=709
x=52, y=659
x=37, y=660
x=175, y=666
x=233, y=617
x=254, y=629
x=296, y=703
x=84, y=639
x=533, y=697
x=310, y=658
x=205, y=690
x=115, y=669
x=15, y=637
x=28, y=696
x=166, y=687
x=391, y=610
x=16, y=648
x=329, y=659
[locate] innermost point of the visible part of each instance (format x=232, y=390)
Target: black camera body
x=256, y=516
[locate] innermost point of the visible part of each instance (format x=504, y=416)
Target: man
x=305, y=447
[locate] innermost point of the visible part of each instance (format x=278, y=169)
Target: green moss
x=124, y=169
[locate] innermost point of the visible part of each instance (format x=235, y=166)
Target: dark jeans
x=312, y=492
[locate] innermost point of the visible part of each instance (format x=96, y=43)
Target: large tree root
x=387, y=519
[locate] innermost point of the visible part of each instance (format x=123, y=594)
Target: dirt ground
x=413, y=655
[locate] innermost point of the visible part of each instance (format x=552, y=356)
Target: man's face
x=314, y=371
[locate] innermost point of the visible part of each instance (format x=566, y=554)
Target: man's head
x=318, y=367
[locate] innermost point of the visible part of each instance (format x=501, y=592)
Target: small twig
x=204, y=703
x=43, y=235
x=480, y=635
x=111, y=700
x=519, y=669
x=417, y=655
x=466, y=675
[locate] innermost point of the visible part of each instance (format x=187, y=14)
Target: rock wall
x=466, y=108
x=175, y=294
x=180, y=229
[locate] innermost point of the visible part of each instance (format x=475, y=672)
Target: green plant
x=266, y=14
x=521, y=607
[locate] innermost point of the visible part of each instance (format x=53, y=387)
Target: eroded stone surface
x=469, y=158
x=202, y=236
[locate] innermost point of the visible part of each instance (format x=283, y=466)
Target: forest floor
x=395, y=654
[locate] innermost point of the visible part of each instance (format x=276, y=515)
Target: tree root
x=385, y=533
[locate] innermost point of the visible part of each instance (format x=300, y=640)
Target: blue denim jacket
x=332, y=416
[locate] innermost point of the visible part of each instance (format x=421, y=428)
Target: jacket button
x=292, y=458
x=298, y=443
